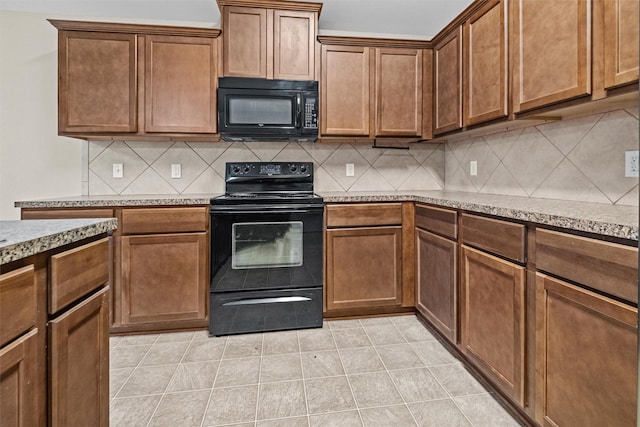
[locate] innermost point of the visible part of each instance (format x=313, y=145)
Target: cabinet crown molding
x=141, y=29
x=374, y=42
x=274, y=4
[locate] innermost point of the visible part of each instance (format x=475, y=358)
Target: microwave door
x=246, y=112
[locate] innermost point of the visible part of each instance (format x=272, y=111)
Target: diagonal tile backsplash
x=147, y=166
x=577, y=159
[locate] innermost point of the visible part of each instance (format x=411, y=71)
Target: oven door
x=266, y=249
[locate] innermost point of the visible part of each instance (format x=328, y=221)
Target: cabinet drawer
x=76, y=272
x=366, y=214
x=607, y=267
x=164, y=220
x=18, y=305
x=440, y=221
x=499, y=237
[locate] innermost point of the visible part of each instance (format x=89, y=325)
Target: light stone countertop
x=597, y=218
x=20, y=239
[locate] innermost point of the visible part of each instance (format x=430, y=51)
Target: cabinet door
x=398, y=92
x=485, y=64
x=621, y=42
x=19, y=382
x=345, y=90
x=294, y=36
x=96, y=82
x=244, y=41
x=552, y=51
x=79, y=364
x=180, y=84
x=493, y=319
x=164, y=278
x=586, y=357
x=447, y=100
x=436, y=279
x=364, y=267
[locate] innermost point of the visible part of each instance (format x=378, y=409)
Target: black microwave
x=251, y=109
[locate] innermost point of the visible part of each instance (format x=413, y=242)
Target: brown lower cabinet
x=586, y=357
x=54, y=337
x=18, y=381
x=364, y=267
x=436, y=263
x=492, y=323
x=79, y=364
x=156, y=288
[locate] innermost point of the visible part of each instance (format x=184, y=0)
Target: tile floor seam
x=304, y=384
x=451, y=397
x=206, y=408
x=175, y=371
x=391, y=378
x=255, y=417
x=133, y=370
x=353, y=395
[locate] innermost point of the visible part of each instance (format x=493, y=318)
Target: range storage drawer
x=164, y=220
x=608, y=267
x=440, y=221
x=502, y=238
x=76, y=272
x=365, y=214
x=18, y=305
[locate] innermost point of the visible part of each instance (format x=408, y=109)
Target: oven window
x=265, y=111
x=266, y=244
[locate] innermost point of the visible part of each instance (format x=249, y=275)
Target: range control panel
x=260, y=169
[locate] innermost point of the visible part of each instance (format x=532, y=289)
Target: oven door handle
x=254, y=301
x=263, y=209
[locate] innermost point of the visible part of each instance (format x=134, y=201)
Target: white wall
x=34, y=162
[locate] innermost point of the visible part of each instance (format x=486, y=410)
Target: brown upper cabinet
x=620, y=42
x=447, y=77
x=136, y=80
x=270, y=39
x=552, y=52
x=372, y=87
x=485, y=85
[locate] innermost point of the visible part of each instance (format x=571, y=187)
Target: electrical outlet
x=631, y=164
x=118, y=170
x=351, y=170
x=176, y=170
x=473, y=168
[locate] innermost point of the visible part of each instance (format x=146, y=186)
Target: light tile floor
x=388, y=371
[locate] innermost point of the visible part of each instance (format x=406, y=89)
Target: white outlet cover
x=176, y=170
x=473, y=168
x=350, y=169
x=118, y=170
x=631, y=164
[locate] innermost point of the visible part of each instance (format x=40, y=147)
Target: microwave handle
x=298, y=109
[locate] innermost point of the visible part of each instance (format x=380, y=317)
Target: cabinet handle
x=253, y=301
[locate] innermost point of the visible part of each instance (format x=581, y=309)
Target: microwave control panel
x=311, y=113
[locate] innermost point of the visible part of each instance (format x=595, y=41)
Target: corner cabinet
x=436, y=268
x=447, y=79
x=136, y=80
x=372, y=88
x=276, y=41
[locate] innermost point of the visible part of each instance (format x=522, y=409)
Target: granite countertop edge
x=27, y=238
x=597, y=218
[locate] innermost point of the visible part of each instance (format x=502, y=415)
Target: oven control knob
x=236, y=168
x=246, y=168
x=303, y=168
x=293, y=168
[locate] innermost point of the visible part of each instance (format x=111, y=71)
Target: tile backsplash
x=147, y=165
x=577, y=159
